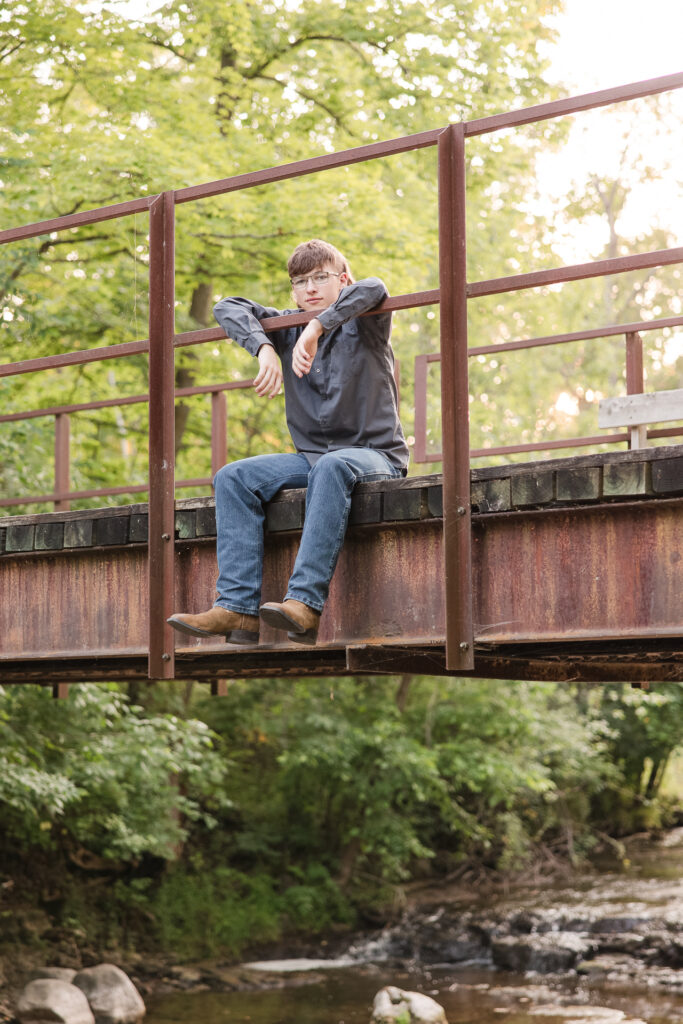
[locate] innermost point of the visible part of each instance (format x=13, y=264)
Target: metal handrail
x=634, y=385
x=452, y=295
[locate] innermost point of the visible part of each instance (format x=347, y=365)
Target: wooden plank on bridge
x=634, y=410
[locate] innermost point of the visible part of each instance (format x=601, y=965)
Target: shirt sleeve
x=353, y=300
x=240, y=319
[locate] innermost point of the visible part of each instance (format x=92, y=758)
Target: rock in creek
x=545, y=954
x=96, y=995
x=608, y=925
x=394, y=1006
x=113, y=997
x=50, y=999
x=60, y=973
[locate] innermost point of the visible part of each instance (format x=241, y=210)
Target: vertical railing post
x=62, y=431
x=455, y=400
x=219, y=431
x=635, y=382
x=161, y=564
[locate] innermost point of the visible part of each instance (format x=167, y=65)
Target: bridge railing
x=453, y=294
x=62, y=495
x=635, y=385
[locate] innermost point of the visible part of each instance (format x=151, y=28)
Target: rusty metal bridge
x=565, y=569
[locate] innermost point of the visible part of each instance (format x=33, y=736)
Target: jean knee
x=227, y=475
x=331, y=465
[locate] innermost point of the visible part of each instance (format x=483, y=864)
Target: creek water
x=345, y=995
x=342, y=991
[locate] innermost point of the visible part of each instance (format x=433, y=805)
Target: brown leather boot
x=300, y=621
x=237, y=628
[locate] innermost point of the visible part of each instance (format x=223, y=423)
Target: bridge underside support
x=661, y=661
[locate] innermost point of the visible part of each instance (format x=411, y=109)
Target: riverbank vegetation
x=157, y=818
x=169, y=820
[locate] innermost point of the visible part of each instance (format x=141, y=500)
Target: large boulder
x=59, y=973
x=51, y=999
x=394, y=1006
x=113, y=997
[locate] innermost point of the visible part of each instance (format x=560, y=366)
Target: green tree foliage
x=290, y=804
x=94, y=774
x=297, y=805
x=100, y=109
x=643, y=729
x=372, y=788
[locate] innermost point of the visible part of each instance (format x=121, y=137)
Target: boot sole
x=243, y=637
x=280, y=620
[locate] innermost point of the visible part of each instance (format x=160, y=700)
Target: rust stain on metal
x=605, y=571
x=66, y=604
x=572, y=576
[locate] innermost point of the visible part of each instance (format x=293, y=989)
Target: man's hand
x=268, y=381
x=306, y=347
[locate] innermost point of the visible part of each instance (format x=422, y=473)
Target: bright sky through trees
x=601, y=45
x=611, y=43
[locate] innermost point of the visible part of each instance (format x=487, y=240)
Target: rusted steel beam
x=99, y=492
x=635, y=384
x=73, y=220
x=217, y=669
x=572, y=105
x=273, y=323
x=132, y=348
x=571, y=664
x=91, y=355
x=343, y=158
x=577, y=272
x=571, y=668
x=219, y=431
x=62, y=503
x=589, y=573
x=635, y=378
x=547, y=446
x=560, y=339
x=161, y=562
x=420, y=400
x=330, y=161
x=589, y=585
x=455, y=400
x=112, y=403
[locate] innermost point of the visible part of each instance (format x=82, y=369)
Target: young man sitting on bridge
x=341, y=408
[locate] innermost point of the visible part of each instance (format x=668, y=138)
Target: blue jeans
x=242, y=488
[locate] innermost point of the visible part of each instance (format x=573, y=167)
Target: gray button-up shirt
x=349, y=397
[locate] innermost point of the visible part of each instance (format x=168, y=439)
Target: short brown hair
x=316, y=253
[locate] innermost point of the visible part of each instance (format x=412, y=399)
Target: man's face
x=312, y=294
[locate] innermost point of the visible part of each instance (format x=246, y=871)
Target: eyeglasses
x=321, y=277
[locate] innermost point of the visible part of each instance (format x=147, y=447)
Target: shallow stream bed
x=645, y=897
x=344, y=996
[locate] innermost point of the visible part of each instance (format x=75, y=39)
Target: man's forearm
x=354, y=299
